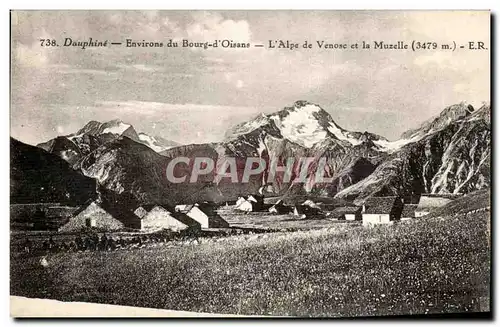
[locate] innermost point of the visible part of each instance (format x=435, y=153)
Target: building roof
x=184, y=208
x=83, y=207
x=127, y=217
x=244, y=206
x=141, y=212
x=185, y=219
x=339, y=211
x=380, y=205
x=272, y=200
x=251, y=198
x=311, y=204
x=279, y=203
x=60, y=211
x=148, y=207
x=430, y=202
x=155, y=210
x=218, y=222
x=409, y=210
x=307, y=210
x=442, y=195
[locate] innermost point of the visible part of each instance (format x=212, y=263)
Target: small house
x=126, y=216
x=185, y=220
x=408, y=211
x=92, y=216
x=257, y=201
x=160, y=218
x=239, y=201
x=143, y=210
x=279, y=208
x=251, y=198
x=311, y=204
x=429, y=202
x=345, y=213
x=267, y=190
x=41, y=216
x=306, y=212
x=243, y=205
x=194, y=212
x=381, y=210
x=214, y=219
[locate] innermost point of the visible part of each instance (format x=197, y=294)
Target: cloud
x=411, y=84
x=186, y=122
x=212, y=26
x=148, y=108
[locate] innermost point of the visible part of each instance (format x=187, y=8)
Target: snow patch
x=68, y=154
x=261, y=147
x=145, y=137
x=254, y=124
x=391, y=146
x=117, y=129
x=71, y=138
x=152, y=142
x=341, y=136
x=301, y=127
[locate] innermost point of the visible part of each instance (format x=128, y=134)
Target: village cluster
x=162, y=223
x=375, y=210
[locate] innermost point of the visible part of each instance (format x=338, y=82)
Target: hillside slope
x=38, y=176
x=454, y=158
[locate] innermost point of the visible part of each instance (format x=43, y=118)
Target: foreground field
x=422, y=266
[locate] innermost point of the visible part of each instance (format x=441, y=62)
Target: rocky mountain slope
x=450, y=154
x=38, y=177
x=131, y=173
x=94, y=134
x=447, y=154
x=304, y=130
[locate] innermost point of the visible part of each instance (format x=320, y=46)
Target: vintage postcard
x=250, y=163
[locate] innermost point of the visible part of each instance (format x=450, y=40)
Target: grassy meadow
x=434, y=265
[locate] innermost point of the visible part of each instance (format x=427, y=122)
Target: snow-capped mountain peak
x=304, y=123
x=449, y=115
x=114, y=127
x=301, y=126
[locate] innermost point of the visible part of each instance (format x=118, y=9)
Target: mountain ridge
x=74, y=146
x=447, y=153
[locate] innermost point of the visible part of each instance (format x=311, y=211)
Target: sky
x=195, y=95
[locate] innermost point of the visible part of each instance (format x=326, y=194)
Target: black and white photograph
x=250, y=163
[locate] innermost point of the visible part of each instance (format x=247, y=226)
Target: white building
x=194, y=212
x=92, y=216
x=244, y=205
x=381, y=210
x=160, y=218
